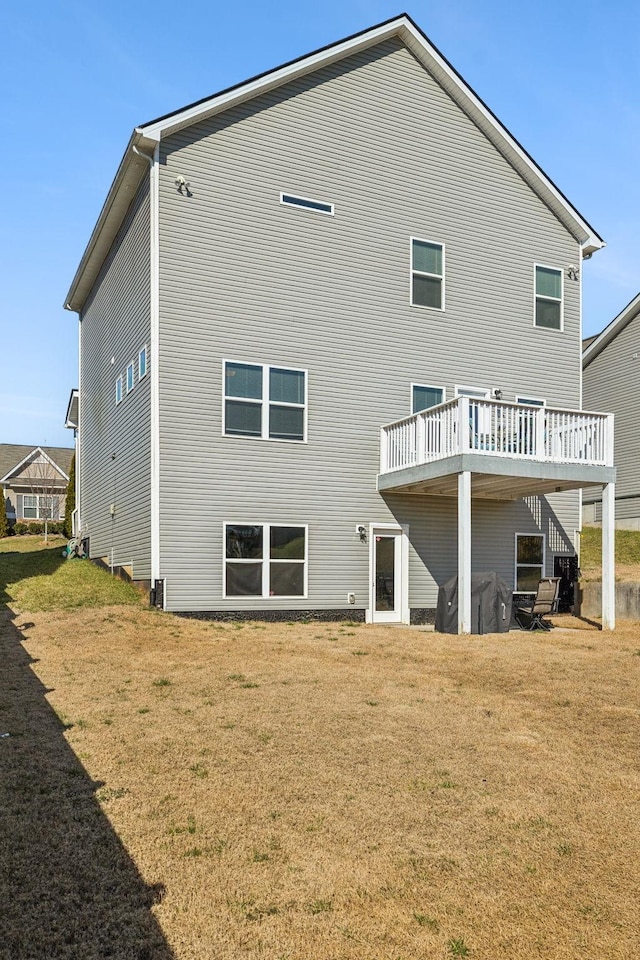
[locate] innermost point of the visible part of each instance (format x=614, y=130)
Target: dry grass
x=216, y=791
x=316, y=791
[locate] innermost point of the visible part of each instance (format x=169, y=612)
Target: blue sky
x=77, y=76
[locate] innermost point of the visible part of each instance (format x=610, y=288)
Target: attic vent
x=307, y=204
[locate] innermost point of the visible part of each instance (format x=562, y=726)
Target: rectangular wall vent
x=306, y=203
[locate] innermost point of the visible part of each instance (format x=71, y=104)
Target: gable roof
x=597, y=344
x=13, y=455
x=145, y=138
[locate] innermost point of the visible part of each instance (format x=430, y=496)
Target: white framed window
x=476, y=393
x=528, y=423
x=37, y=506
x=427, y=274
x=142, y=363
x=319, y=206
x=530, y=561
x=423, y=397
x=130, y=378
x=265, y=560
x=118, y=389
x=548, y=297
x=479, y=415
x=264, y=402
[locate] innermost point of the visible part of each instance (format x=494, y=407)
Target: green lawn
x=36, y=576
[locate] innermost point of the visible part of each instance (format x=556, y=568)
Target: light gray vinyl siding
x=245, y=278
x=626, y=510
x=611, y=382
x=115, y=440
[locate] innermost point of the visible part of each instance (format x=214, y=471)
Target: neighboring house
x=611, y=378
x=280, y=270
x=34, y=481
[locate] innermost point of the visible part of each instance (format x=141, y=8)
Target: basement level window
x=265, y=560
x=290, y=200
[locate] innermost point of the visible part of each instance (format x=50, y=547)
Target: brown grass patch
x=280, y=797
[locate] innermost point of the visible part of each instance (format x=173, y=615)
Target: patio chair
x=530, y=613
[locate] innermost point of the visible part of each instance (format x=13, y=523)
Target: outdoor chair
x=530, y=613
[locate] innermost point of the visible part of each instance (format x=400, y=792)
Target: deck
x=511, y=450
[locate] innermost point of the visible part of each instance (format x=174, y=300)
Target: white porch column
x=608, y=557
x=464, y=552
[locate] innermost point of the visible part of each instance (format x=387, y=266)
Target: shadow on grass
x=22, y=565
x=68, y=888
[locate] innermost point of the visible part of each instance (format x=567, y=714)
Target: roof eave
x=71, y=418
x=128, y=178
x=611, y=331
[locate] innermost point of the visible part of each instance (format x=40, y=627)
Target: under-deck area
x=493, y=450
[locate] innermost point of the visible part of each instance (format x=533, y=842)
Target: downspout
x=154, y=355
x=76, y=522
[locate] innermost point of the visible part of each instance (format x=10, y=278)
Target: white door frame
x=390, y=529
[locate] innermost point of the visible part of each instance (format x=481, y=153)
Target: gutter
x=122, y=191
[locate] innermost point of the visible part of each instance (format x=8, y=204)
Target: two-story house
x=330, y=347
x=611, y=377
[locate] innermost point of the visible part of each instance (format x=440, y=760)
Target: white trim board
x=403, y=530
x=153, y=360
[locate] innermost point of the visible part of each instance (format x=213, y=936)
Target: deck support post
x=608, y=557
x=464, y=552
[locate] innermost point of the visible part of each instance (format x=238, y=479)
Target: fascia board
x=484, y=118
x=129, y=175
x=53, y=464
x=71, y=420
x=21, y=464
x=271, y=80
x=611, y=331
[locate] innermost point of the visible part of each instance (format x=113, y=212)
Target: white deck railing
x=497, y=429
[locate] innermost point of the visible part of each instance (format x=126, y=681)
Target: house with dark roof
x=330, y=344
x=34, y=481
x=611, y=378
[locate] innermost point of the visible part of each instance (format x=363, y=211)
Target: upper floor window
x=424, y=397
x=427, y=274
x=264, y=402
x=118, y=389
x=130, y=378
x=142, y=363
x=548, y=298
